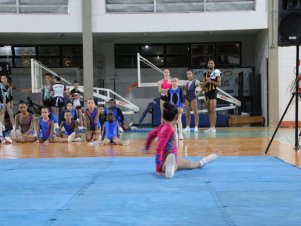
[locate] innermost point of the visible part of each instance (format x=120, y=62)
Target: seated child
x=45, y=127
x=68, y=130
x=69, y=107
x=110, y=131
x=92, y=122
x=167, y=161
x=24, y=125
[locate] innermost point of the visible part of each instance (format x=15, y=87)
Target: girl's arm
x=87, y=121
x=31, y=127
x=96, y=119
x=103, y=131
x=76, y=130
x=38, y=130
x=150, y=137
x=159, y=86
x=51, y=131
x=17, y=121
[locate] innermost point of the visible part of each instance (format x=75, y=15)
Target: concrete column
x=273, y=77
x=87, y=48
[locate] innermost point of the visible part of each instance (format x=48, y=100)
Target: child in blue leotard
x=45, y=127
x=175, y=97
x=68, y=130
x=70, y=108
x=92, y=122
x=110, y=131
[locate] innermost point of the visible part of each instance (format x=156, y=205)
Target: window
x=152, y=50
x=228, y=54
x=179, y=55
x=25, y=51
x=126, y=56
x=53, y=56
x=34, y=6
x=201, y=53
x=49, y=51
x=6, y=55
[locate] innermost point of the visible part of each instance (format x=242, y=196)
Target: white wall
x=43, y=23
x=286, y=68
x=172, y=22
x=103, y=22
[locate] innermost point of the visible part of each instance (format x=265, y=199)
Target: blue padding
x=248, y=191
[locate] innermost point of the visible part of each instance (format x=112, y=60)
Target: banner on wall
x=230, y=79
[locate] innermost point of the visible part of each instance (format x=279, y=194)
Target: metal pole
x=287, y=107
x=297, y=97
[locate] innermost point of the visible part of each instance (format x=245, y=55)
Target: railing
x=168, y=6
x=37, y=6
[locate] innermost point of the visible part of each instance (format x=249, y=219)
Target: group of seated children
x=46, y=129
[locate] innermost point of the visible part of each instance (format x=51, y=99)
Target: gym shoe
x=186, y=130
x=170, y=165
x=208, y=159
x=71, y=137
x=210, y=130
x=196, y=129
x=181, y=136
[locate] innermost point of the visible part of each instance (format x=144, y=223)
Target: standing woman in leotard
x=191, y=101
x=163, y=86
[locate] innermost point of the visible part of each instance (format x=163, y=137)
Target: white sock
x=207, y=159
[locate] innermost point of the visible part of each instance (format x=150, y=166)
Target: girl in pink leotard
x=167, y=161
x=163, y=86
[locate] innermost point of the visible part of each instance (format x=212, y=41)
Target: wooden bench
x=245, y=119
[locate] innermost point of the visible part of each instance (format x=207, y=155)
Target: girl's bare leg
x=9, y=110
x=89, y=135
x=194, y=106
x=96, y=135
x=188, y=113
x=106, y=141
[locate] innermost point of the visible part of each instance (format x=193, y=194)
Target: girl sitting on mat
x=45, y=127
x=167, y=161
x=68, y=131
x=70, y=108
x=24, y=125
x=92, y=122
x=110, y=131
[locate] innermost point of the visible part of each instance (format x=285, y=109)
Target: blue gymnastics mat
x=242, y=191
